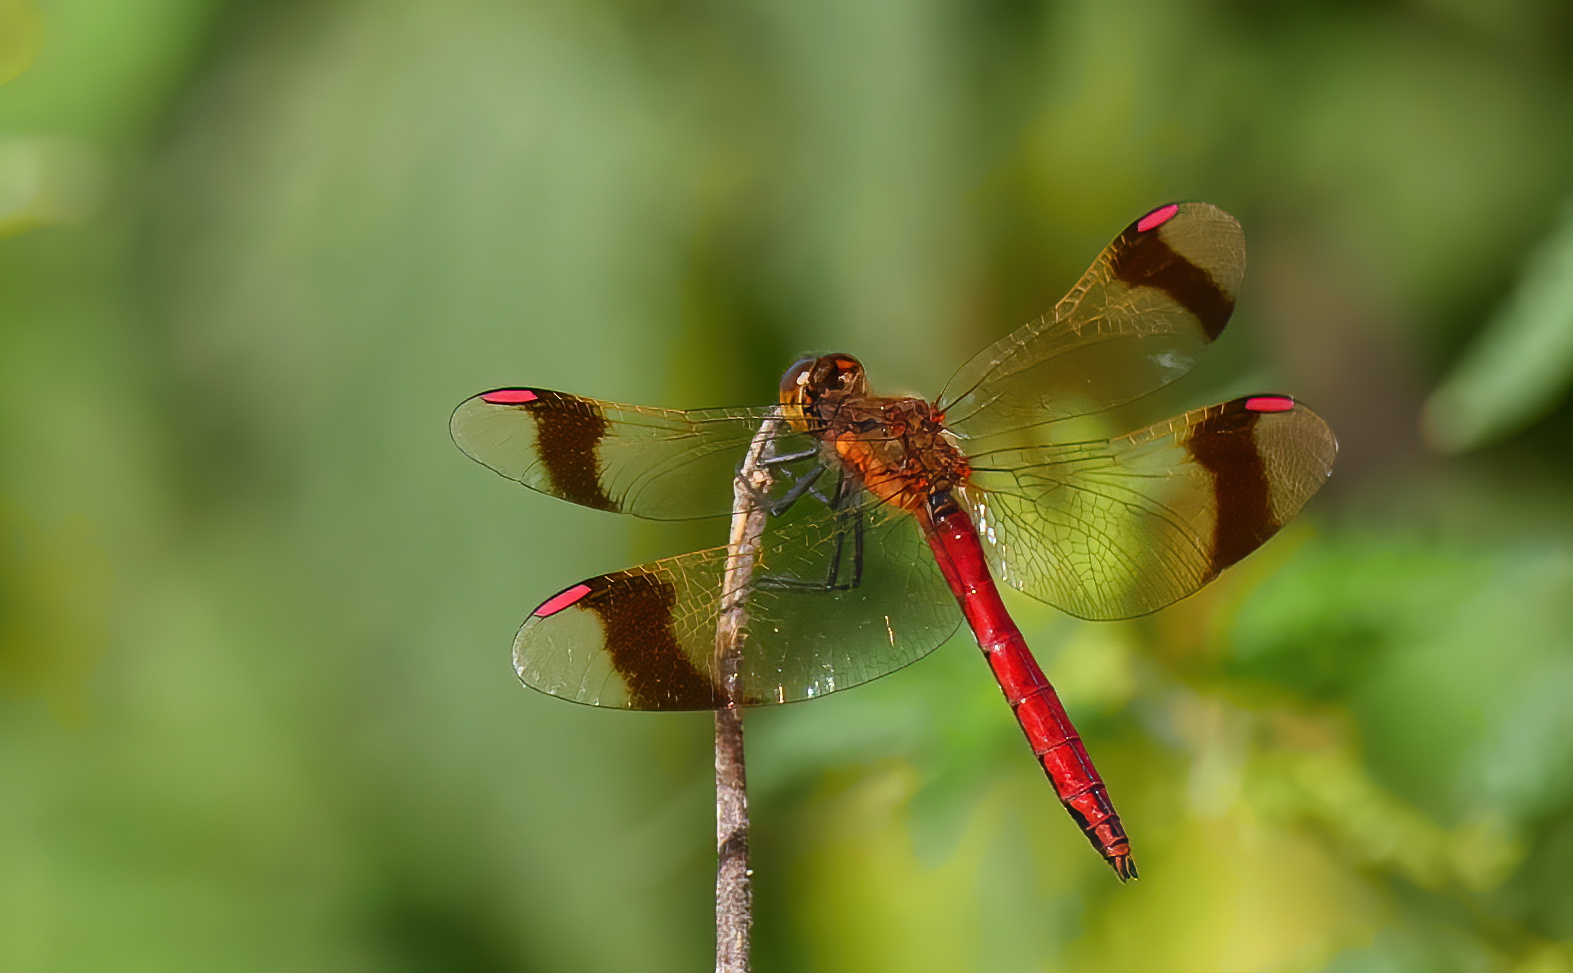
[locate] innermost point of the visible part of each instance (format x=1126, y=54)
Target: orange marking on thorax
x=898, y=487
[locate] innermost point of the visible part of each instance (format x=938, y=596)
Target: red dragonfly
x=1017, y=471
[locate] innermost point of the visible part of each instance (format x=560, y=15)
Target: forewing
x=1123, y=527
x=1155, y=297
x=662, y=464
x=645, y=638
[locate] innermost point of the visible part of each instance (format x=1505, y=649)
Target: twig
x=734, y=896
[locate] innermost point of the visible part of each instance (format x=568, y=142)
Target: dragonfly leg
x=849, y=521
x=804, y=484
x=781, y=459
x=857, y=548
x=801, y=482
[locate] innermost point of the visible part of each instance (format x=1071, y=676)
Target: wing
x=645, y=638
x=1123, y=527
x=1155, y=297
x=662, y=464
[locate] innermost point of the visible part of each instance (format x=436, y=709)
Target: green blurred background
x=256, y=711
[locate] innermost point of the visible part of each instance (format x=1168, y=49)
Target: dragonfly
x=890, y=518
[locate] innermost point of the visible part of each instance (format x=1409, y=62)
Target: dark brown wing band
x=568, y=430
x=635, y=611
x=1145, y=258
x=1224, y=443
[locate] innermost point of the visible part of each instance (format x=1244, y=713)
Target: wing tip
x=509, y=396
x=1269, y=403
x=1157, y=217
x=566, y=598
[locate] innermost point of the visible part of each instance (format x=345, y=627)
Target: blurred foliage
x=255, y=708
x=21, y=35
x=1522, y=363
x=54, y=610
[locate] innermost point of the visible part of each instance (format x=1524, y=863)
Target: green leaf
x=1521, y=365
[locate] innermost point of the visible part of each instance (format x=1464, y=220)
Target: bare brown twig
x=734, y=897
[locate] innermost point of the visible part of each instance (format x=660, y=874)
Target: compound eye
x=845, y=374
x=794, y=384
x=810, y=378
x=797, y=393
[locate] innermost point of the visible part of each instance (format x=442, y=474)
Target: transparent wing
x=645, y=638
x=1125, y=526
x=1155, y=297
x=662, y=464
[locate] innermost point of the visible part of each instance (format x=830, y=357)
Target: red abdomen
x=1049, y=730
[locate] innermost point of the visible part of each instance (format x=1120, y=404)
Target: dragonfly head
x=815, y=385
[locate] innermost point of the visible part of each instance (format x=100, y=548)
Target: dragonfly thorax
x=896, y=445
